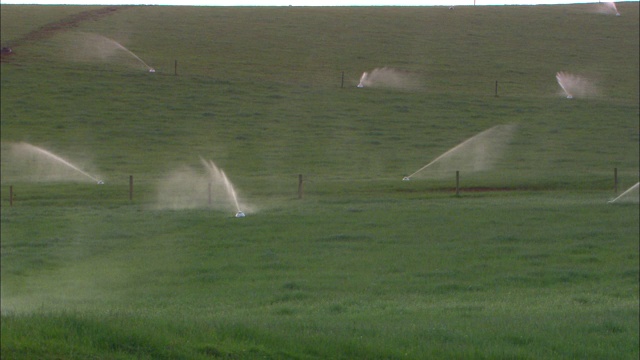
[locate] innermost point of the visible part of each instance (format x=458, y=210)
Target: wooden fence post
x=300, y=186
x=130, y=187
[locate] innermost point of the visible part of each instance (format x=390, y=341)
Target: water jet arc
x=559, y=78
x=152, y=70
x=217, y=173
x=57, y=158
x=489, y=141
x=625, y=193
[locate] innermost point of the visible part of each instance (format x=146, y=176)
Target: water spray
x=561, y=78
x=56, y=158
x=625, y=193
x=575, y=85
x=612, y=5
x=500, y=132
x=232, y=193
x=363, y=78
x=386, y=77
x=151, y=70
x=406, y=178
x=217, y=173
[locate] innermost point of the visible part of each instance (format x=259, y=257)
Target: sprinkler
x=100, y=182
x=152, y=70
x=239, y=214
x=406, y=178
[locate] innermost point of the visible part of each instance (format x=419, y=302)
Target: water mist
x=43, y=165
x=191, y=188
x=386, y=77
x=92, y=47
x=478, y=153
x=575, y=86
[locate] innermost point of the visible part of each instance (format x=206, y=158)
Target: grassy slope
x=289, y=115
x=365, y=266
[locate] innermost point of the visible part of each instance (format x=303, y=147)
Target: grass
x=365, y=265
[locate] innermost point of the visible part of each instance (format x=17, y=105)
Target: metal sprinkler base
x=100, y=182
x=240, y=214
x=406, y=178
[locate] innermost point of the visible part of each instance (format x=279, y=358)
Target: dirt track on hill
x=65, y=24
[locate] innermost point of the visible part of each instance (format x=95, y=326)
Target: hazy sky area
x=298, y=2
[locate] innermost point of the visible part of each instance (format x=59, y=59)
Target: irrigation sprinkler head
x=360, y=85
x=406, y=178
x=240, y=214
x=569, y=97
x=100, y=182
x=152, y=70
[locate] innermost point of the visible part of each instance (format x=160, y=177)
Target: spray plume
x=477, y=153
x=45, y=164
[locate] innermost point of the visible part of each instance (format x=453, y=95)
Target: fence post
x=300, y=186
x=130, y=187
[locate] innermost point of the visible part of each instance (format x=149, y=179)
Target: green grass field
x=528, y=261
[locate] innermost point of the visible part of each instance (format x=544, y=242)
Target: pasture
x=528, y=260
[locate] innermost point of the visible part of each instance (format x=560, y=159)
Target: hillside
x=132, y=136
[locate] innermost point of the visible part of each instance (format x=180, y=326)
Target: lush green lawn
x=494, y=275
x=365, y=265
